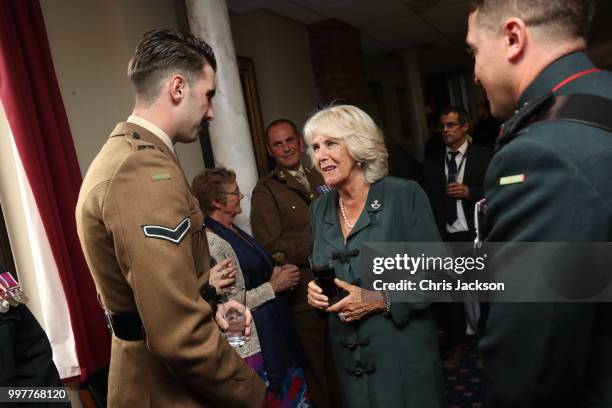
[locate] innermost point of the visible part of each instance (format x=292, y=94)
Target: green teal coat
x=551, y=354
x=382, y=361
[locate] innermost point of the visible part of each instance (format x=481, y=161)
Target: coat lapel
x=331, y=230
x=441, y=166
x=374, y=203
x=467, y=173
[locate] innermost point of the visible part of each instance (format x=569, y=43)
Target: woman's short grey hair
x=362, y=138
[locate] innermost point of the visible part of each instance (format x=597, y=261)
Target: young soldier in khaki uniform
x=281, y=223
x=141, y=232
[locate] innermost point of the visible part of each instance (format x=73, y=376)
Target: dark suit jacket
x=551, y=354
x=476, y=162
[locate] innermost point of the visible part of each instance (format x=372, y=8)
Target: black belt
x=126, y=326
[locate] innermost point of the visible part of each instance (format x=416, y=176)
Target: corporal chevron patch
x=174, y=235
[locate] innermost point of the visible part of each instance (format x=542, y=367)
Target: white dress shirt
x=460, y=223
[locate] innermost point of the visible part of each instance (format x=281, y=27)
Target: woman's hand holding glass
x=354, y=306
x=223, y=274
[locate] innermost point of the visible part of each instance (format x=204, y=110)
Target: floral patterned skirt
x=293, y=392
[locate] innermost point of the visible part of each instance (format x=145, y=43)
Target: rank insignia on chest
x=517, y=178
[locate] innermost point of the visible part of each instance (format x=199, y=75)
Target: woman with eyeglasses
x=273, y=350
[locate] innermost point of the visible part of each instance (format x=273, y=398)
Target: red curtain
x=35, y=111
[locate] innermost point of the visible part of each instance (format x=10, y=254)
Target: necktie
x=451, y=203
x=301, y=178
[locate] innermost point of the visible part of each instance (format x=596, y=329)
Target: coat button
x=293, y=207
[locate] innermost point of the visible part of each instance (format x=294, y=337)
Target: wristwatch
x=210, y=295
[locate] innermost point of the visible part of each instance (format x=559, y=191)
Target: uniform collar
x=300, y=169
x=138, y=132
x=154, y=129
x=555, y=73
x=289, y=179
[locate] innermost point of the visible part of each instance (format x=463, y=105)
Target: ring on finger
x=342, y=317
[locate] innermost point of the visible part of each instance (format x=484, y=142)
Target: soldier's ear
x=177, y=88
x=516, y=36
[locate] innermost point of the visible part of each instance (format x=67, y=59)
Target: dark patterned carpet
x=465, y=387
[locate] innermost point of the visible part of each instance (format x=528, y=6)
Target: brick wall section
x=337, y=62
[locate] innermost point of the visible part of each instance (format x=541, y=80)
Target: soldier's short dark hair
x=209, y=186
x=280, y=122
x=162, y=52
x=562, y=18
x=462, y=114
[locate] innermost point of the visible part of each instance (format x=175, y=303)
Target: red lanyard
x=573, y=77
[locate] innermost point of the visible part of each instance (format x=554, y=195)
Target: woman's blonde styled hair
x=362, y=138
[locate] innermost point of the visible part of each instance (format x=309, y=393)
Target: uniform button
x=311, y=195
x=293, y=207
x=356, y=373
x=364, y=342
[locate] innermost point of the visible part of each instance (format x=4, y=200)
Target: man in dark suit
x=549, y=181
x=281, y=223
x=453, y=180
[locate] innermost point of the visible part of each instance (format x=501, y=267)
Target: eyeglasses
x=236, y=193
x=448, y=125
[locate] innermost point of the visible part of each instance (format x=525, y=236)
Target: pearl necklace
x=344, y=217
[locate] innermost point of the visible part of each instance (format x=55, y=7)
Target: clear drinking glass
x=234, y=306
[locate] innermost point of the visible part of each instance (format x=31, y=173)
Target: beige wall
x=91, y=43
x=280, y=50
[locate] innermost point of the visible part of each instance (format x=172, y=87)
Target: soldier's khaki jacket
x=281, y=222
x=134, y=186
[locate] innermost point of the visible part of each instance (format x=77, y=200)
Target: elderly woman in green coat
x=386, y=353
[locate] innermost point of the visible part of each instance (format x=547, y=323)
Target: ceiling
x=436, y=27
x=386, y=25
